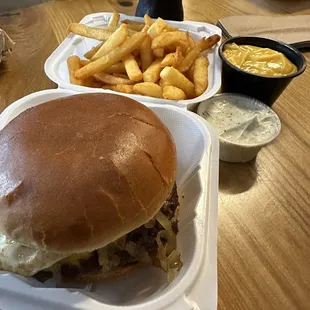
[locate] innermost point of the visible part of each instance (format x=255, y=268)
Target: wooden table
x=264, y=206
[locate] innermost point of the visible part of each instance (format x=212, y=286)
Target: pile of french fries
x=149, y=58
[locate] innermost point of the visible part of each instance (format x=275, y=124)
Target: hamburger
x=87, y=190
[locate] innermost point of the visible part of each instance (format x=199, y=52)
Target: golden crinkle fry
x=149, y=58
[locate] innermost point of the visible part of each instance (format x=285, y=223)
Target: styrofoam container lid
x=196, y=285
x=56, y=65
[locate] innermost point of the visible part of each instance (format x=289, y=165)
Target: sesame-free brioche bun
x=79, y=172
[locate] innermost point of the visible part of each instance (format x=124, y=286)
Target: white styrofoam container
x=56, y=65
x=195, y=288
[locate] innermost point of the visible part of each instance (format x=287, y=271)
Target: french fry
x=190, y=72
x=206, y=43
x=176, y=78
x=132, y=22
x=148, y=20
x=112, y=57
x=159, y=52
x=148, y=89
x=131, y=32
x=90, y=32
x=184, y=45
x=191, y=42
x=93, y=51
x=136, y=52
x=194, y=52
x=146, y=53
x=110, y=87
x=116, y=68
x=73, y=63
x=121, y=75
x=163, y=83
x=169, y=61
x=92, y=82
x=172, y=59
x=151, y=74
x=133, y=25
x=128, y=89
x=170, y=29
x=170, y=49
x=166, y=39
x=111, y=79
x=115, y=40
x=189, y=59
x=178, y=56
x=181, y=44
x=113, y=22
x=145, y=28
x=84, y=62
x=201, y=75
x=133, y=71
x=173, y=93
x=157, y=28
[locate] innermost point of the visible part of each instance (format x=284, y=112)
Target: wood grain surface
x=264, y=206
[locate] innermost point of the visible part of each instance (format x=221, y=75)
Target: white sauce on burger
x=23, y=260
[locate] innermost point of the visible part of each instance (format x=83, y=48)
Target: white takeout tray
x=195, y=288
x=56, y=65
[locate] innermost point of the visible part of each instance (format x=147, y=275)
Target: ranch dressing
x=240, y=124
x=243, y=125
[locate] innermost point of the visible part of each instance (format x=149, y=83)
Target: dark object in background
x=6, y=5
x=6, y=45
x=263, y=88
x=166, y=9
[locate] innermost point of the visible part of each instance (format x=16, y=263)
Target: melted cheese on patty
x=15, y=257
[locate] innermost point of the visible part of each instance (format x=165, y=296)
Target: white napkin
x=294, y=30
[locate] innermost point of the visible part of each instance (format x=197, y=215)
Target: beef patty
x=137, y=245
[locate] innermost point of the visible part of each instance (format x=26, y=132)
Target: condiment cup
x=236, y=151
x=264, y=88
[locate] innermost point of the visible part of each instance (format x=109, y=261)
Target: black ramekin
x=263, y=88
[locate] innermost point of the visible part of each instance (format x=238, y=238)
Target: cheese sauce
x=258, y=60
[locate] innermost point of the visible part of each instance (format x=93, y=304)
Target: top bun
x=79, y=172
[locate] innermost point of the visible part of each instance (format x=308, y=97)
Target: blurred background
x=18, y=4
x=14, y=4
